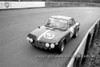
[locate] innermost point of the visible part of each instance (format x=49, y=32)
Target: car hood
x=46, y=34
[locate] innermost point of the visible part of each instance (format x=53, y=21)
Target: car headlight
x=28, y=38
x=31, y=40
x=52, y=45
x=56, y=43
x=47, y=44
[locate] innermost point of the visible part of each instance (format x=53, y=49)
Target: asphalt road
x=15, y=51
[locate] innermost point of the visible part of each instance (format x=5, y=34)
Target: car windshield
x=57, y=23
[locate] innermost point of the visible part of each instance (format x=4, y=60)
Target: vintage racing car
x=55, y=34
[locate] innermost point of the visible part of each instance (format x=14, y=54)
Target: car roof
x=61, y=17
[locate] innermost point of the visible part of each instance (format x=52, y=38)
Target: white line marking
x=42, y=34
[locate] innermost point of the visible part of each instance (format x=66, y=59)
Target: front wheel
x=61, y=47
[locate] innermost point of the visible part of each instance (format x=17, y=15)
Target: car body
x=55, y=34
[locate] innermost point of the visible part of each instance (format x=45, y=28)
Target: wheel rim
x=62, y=47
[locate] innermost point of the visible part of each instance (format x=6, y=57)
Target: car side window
x=66, y=25
x=73, y=21
x=70, y=23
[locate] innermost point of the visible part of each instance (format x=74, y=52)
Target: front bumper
x=40, y=44
x=33, y=40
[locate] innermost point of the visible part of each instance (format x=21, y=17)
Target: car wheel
x=61, y=47
x=75, y=34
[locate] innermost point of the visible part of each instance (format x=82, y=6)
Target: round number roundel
x=49, y=36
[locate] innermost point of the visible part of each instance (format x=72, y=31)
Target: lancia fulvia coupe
x=55, y=33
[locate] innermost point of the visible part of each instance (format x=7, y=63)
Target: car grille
x=40, y=44
x=37, y=43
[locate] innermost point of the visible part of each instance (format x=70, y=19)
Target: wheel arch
x=63, y=39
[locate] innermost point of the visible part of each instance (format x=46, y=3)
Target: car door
x=76, y=27
x=71, y=27
x=67, y=33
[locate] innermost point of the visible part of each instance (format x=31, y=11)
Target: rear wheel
x=75, y=34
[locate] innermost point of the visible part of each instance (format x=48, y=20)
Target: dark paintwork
x=58, y=33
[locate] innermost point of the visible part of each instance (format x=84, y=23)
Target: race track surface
x=15, y=51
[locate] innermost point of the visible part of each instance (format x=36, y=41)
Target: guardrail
x=80, y=54
x=27, y=4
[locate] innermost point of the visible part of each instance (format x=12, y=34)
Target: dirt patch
x=94, y=53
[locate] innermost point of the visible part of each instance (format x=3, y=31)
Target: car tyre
x=61, y=47
x=75, y=34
